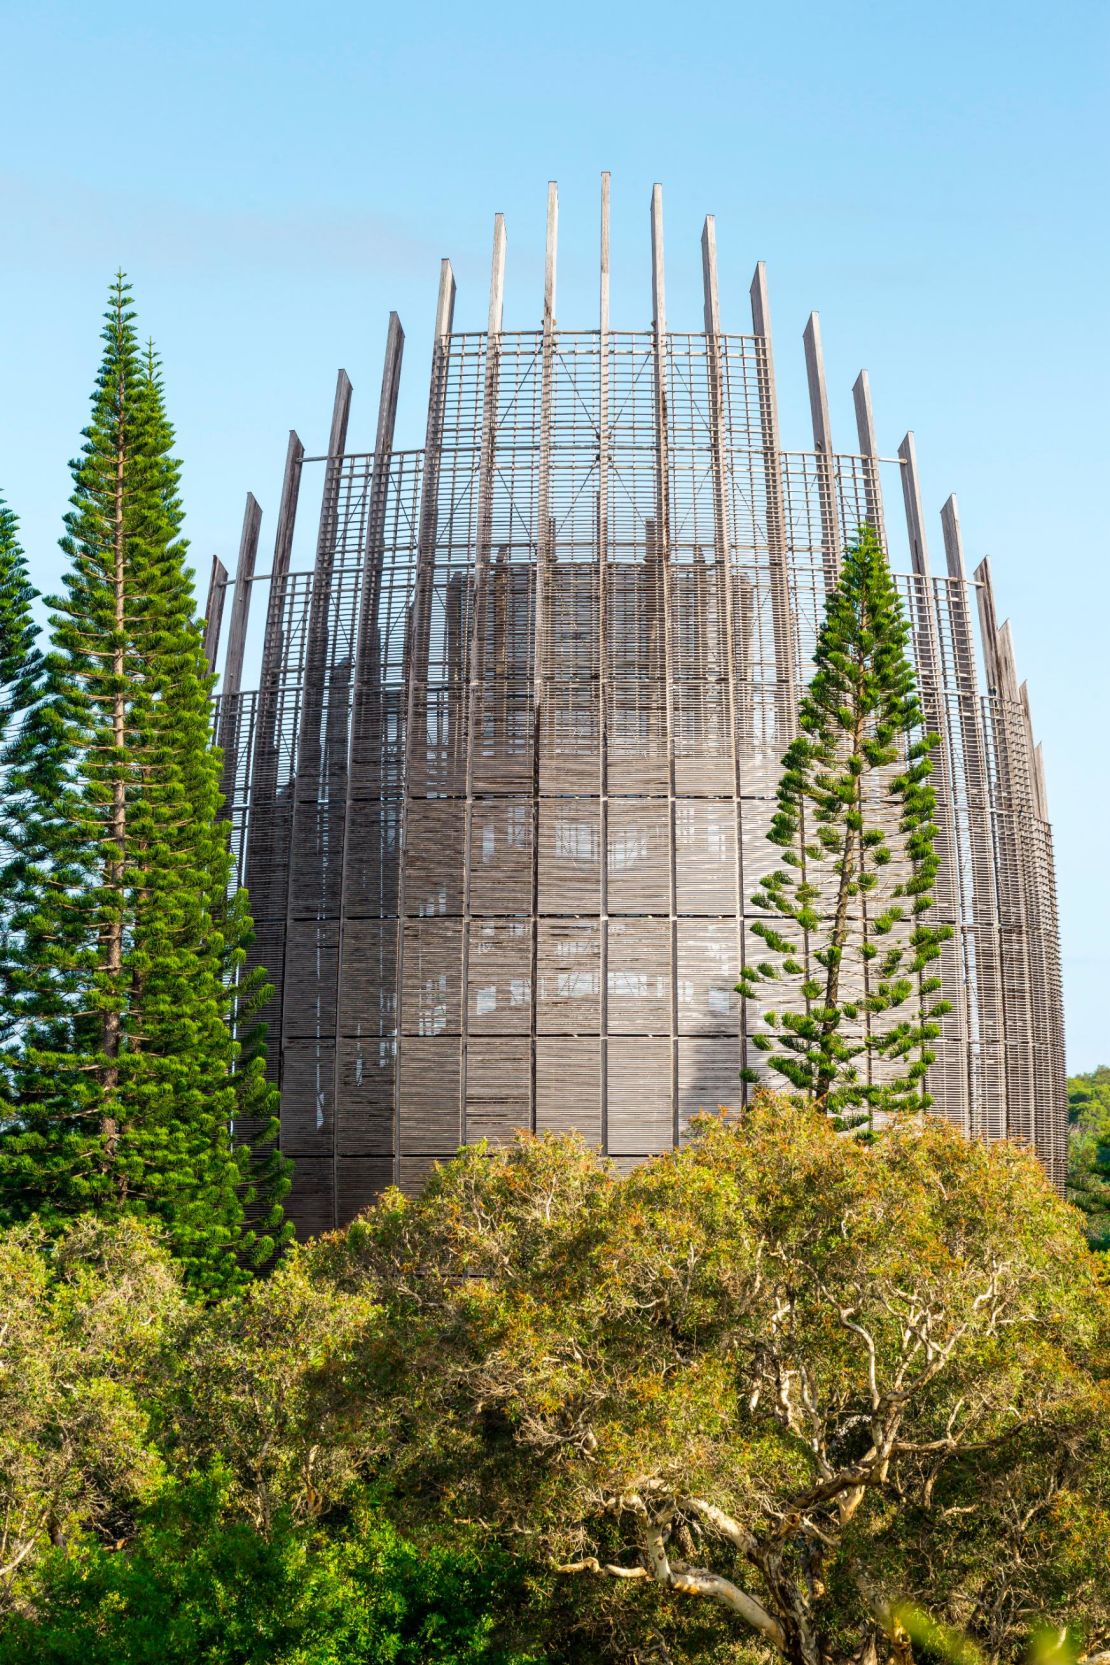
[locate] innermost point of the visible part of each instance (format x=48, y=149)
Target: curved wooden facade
x=502, y=791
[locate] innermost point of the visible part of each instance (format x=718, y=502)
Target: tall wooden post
x=722, y=540
x=980, y=970
x=662, y=535
x=869, y=451
x=931, y=680
x=782, y=622
x=604, y=692
x=545, y=648
x=823, y=446
x=214, y=612
x=475, y=667
x=417, y=655
x=367, y=717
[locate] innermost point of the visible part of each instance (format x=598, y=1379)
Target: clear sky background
x=275, y=178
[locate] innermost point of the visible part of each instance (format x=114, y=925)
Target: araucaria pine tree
x=19, y=660
x=849, y=984
x=20, y=667
x=125, y=1076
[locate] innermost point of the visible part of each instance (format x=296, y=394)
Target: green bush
x=196, y=1585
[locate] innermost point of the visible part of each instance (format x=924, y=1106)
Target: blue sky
x=933, y=179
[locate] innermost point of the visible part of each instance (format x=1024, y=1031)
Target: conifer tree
x=20, y=666
x=19, y=660
x=850, y=976
x=125, y=1086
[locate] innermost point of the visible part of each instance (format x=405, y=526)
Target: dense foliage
x=197, y=1585
x=182, y=1482
x=118, y=980
x=842, y=1392
x=1089, y=1151
x=19, y=662
x=853, y=1002
x=19, y=685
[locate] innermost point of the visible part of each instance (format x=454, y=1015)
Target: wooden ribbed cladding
x=502, y=794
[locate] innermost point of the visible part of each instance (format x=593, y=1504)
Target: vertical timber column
x=240, y=606
x=723, y=555
x=979, y=960
x=603, y=692
x=307, y=1105
x=777, y=556
x=418, y=654
x=236, y=644
x=869, y=451
x=1052, y=1125
x=365, y=750
x=1026, y=968
x=545, y=648
x=663, y=542
x=1049, y=1128
x=822, y=444
x=476, y=666
x=214, y=612
x=931, y=678
x=267, y=862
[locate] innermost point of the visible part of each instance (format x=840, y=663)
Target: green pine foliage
x=125, y=1076
x=849, y=981
x=1089, y=1151
x=20, y=668
x=19, y=662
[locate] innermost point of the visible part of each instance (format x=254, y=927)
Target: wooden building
x=502, y=790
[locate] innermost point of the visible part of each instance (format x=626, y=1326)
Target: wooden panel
x=570, y=856
x=307, y=1111
x=569, y=977
x=703, y=765
x=429, y=1095
x=316, y=861
x=372, y=858
x=639, y=856
x=639, y=1096
x=311, y=1200
x=434, y=856
x=368, y=977
x=708, y=1077
x=760, y=856
x=267, y=864
x=505, y=719
x=311, y=970
x=501, y=856
x=365, y=1093
x=639, y=976
x=570, y=745
x=431, y=1000
x=413, y=1173
x=705, y=856
x=498, y=1088
x=437, y=759
x=362, y=1179
x=568, y=1086
x=707, y=972
x=499, y=977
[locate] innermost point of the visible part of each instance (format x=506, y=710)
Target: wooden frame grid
x=502, y=795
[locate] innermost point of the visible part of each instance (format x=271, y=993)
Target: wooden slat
x=214, y=612
x=823, y=445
